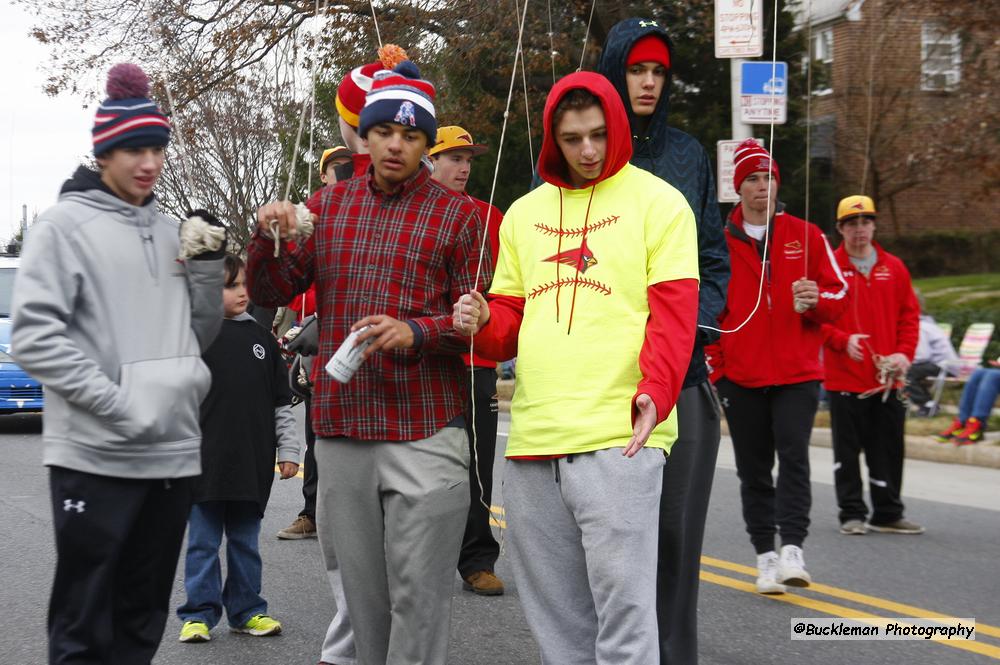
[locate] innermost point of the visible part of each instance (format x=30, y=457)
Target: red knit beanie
x=650, y=48
x=750, y=157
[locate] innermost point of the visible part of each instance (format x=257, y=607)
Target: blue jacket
x=679, y=159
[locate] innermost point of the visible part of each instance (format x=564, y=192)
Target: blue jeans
x=206, y=595
x=979, y=394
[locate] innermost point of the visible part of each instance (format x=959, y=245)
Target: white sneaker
x=767, y=573
x=792, y=568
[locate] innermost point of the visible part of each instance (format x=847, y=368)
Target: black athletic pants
x=763, y=421
x=687, y=484
x=875, y=427
x=117, y=543
x=310, y=480
x=479, y=548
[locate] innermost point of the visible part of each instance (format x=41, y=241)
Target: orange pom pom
x=391, y=55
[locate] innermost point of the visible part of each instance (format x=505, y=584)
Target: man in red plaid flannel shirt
x=392, y=250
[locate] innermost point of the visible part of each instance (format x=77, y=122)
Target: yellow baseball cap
x=454, y=137
x=333, y=153
x=852, y=206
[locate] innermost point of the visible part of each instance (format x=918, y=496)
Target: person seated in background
x=934, y=351
x=978, y=398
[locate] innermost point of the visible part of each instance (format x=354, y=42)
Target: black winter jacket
x=679, y=159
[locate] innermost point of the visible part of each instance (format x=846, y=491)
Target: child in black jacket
x=245, y=419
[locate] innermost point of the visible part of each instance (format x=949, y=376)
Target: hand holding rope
x=890, y=372
x=284, y=220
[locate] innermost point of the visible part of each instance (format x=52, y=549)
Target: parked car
x=18, y=391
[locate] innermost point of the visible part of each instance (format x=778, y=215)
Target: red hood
x=551, y=166
x=361, y=162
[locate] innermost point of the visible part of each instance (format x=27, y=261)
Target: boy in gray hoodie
x=113, y=326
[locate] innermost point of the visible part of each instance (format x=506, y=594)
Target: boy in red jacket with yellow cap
x=868, y=351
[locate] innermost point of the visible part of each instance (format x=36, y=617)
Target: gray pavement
x=949, y=570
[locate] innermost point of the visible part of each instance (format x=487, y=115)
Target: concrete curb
x=984, y=453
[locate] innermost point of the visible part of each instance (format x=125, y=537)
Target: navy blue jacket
x=679, y=159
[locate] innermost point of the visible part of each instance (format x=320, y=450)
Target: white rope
x=586, y=35
x=312, y=113
x=552, y=47
x=809, y=92
x=767, y=222
x=527, y=111
x=298, y=134
x=378, y=34
x=174, y=111
x=868, y=128
x=503, y=134
x=479, y=266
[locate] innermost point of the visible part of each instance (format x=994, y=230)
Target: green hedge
x=946, y=252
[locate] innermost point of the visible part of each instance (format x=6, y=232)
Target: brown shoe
x=483, y=583
x=302, y=527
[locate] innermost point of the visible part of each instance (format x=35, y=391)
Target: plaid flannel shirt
x=409, y=255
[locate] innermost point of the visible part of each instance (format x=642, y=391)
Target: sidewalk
x=985, y=453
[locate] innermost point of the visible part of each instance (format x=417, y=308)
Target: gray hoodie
x=113, y=326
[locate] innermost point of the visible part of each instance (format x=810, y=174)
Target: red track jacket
x=777, y=346
x=881, y=305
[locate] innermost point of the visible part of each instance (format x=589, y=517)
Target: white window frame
x=934, y=77
x=821, y=49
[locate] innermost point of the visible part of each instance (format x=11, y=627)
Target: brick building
x=904, y=109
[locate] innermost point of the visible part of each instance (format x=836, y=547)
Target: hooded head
x=552, y=164
x=628, y=40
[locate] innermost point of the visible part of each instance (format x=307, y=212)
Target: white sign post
x=764, y=93
x=725, y=170
x=738, y=32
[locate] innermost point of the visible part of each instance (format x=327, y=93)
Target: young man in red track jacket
x=870, y=346
x=768, y=371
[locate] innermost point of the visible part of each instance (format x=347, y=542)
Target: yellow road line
x=841, y=611
x=900, y=609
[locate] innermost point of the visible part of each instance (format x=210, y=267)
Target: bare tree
x=900, y=134
x=230, y=159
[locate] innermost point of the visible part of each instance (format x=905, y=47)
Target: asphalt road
x=952, y=570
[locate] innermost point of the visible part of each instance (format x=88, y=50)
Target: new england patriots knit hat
x=402, y=97
x=128, y=118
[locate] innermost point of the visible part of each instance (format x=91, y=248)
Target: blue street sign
x=764, y=78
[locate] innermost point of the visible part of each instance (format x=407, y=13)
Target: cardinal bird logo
x=858, y=206
x=581, y=258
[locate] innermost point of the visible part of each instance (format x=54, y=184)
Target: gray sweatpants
x=397, y=512
x=338, y=645
x=583, y=538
